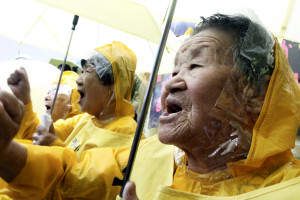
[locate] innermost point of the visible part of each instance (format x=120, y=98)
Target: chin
x=164, y=135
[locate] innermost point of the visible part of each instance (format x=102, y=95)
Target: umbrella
x=47, y=27
x=38, y=83
x=126, y=15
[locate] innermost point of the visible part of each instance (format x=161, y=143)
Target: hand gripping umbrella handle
x=146, y=101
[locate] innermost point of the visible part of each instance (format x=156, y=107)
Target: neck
x=108, y=112
x=209, y=160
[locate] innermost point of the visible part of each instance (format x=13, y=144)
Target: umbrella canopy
x=49, y=28
x=126, y=15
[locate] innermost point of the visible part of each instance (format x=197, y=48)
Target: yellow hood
x=275, y=130
x=123, y=62
x=69, y=78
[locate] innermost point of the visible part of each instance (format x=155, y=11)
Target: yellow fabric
x=64, y=128
x=288, y=190
x=28, y=124
x=277, y=125
x=69, y=78
x=123, y=62
x=270, y=170
x=167, y=185
x=4, y=197
x=154, y=166
x=68, y=172
x=59, y=176
x=189, y=31
x=269, y=162
x=85, y=132
x=58, y=142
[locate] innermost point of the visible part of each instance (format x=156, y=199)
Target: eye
x=88, y=69
x=193, y=66
x=174, y=74
x=85, y=70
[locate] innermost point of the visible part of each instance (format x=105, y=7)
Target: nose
x=175, y=84
x=48, y=98
x=79, y=80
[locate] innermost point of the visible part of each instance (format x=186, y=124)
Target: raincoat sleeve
x=54, y=172
x=58, y=142
x=64, y=127
x=28, y=124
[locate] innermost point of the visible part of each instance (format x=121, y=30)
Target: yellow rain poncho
x=269, y=170
x=85, y=131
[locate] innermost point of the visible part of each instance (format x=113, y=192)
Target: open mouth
x=82, y=94
x=171, y=112
x=173, y=106
x=48, y=108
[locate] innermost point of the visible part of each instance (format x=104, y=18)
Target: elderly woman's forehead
x=87, y=65
x=217, y=35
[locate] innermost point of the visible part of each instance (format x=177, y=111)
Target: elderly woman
x=104, y=90
x=230, y=116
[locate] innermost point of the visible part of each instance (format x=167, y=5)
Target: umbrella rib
x=30, y=29
x=53, y=34
x=287, y=18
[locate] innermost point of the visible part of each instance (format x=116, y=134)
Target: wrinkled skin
x=202, y=66
x=44, y=137
x=11, y=114
x=62, y=105
x=96, y=98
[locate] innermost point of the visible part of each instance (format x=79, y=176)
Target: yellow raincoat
x=269, y=171
x=85, y=131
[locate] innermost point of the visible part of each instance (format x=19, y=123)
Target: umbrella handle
x=75, y=21
x=146, y=101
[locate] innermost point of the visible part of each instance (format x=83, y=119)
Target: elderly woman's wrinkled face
x=202, y=66
x=62, y=104
x=94, y=96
